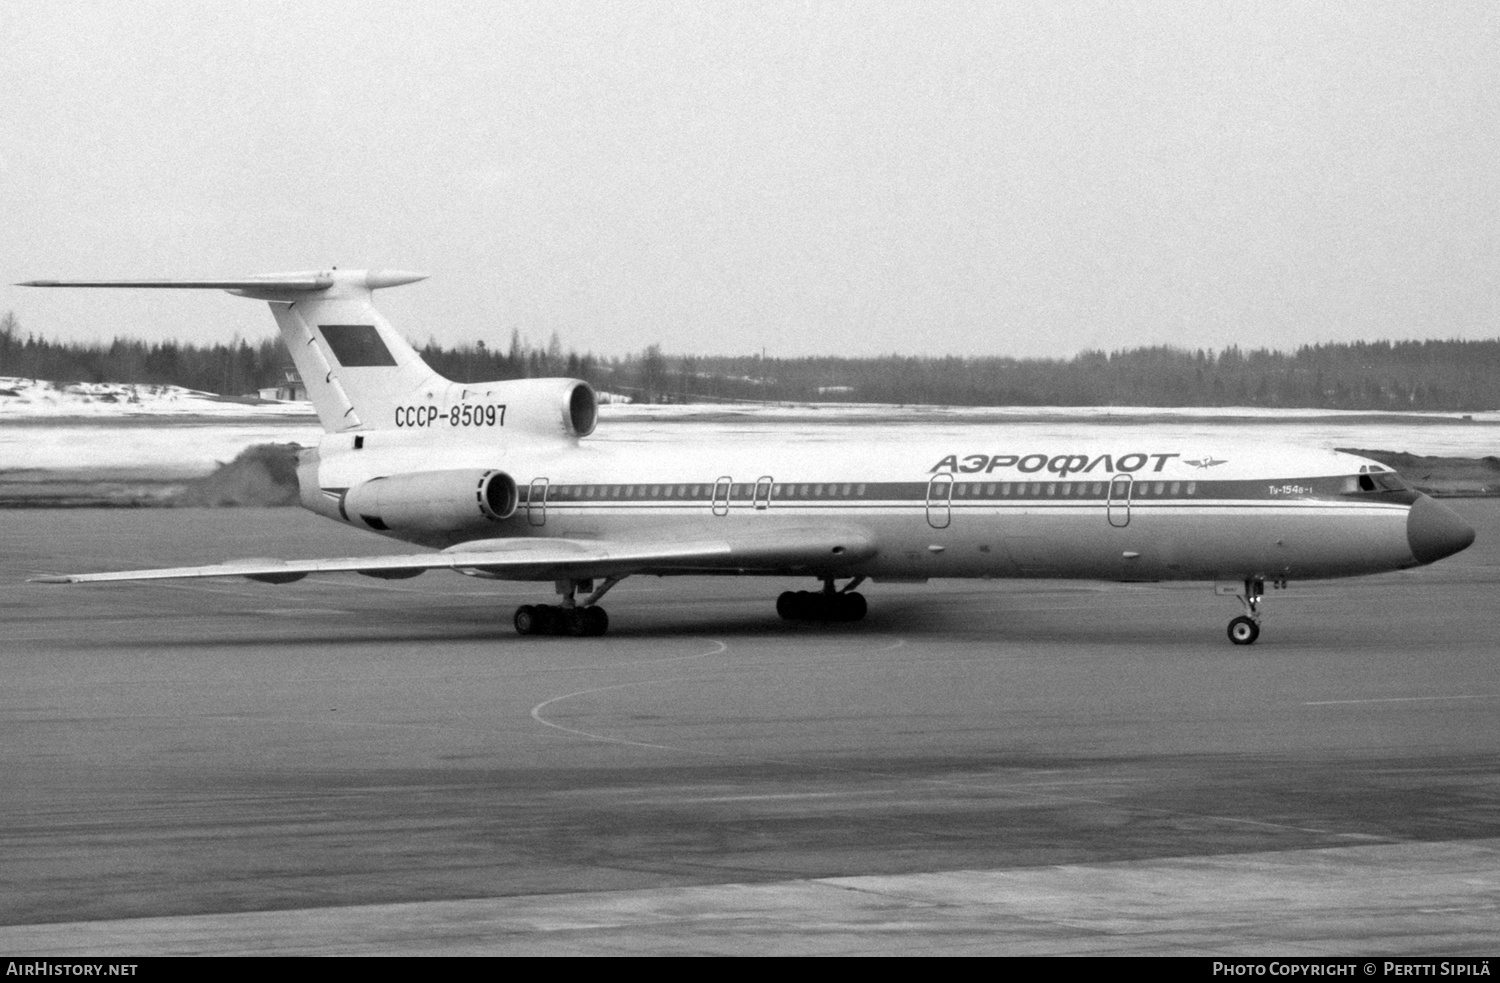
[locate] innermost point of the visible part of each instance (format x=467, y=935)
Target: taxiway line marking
x=536, y=713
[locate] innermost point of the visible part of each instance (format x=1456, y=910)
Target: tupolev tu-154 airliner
x=496, y=480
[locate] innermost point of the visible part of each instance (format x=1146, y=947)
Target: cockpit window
x=1376, y=482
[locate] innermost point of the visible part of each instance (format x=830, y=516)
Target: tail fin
x=357, y=369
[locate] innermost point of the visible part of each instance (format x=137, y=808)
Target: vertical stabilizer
x=356, y=367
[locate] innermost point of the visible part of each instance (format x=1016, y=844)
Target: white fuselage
x=986, y=504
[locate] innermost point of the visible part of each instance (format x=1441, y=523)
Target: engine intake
x=433, y=501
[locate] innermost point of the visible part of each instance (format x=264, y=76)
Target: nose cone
x=1435, y=531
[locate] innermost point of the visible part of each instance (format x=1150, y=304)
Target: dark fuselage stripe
x=959, y=494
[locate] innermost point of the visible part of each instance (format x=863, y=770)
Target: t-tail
x=357, y=369
x=360, y=373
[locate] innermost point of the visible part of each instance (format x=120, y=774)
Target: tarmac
x=345, y=765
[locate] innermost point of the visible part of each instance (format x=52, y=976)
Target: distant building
x=290, y=391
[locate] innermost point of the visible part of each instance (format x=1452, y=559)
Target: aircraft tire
x=597, y=620
x=786, y=605
x=854, y=606
x=805, y=605
x=575, y=622
x=526, y=620
x=1243, y=631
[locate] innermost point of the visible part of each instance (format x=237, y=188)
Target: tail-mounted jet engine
x=563, y=407
x=433, y=501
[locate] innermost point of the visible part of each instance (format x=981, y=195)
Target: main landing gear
x=580, y=619
x=1245, y=629
x=825, y=605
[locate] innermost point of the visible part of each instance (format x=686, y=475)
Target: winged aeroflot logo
x=1206, y=461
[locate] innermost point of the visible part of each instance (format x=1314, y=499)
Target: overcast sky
x=1030, y=178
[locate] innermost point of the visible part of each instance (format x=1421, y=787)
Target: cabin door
x=1118, y=506
x=536, y=502
x=940, y=501
x=721, y=495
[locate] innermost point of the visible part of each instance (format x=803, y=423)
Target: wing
x=786, y=550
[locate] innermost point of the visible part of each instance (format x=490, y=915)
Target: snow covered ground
x=162, y=447
x=23, y=399
x=835, y=412
x=1442, y=434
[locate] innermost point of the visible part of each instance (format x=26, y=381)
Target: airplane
x=497, y=480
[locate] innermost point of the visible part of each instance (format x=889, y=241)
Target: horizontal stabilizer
x=267, y=286
x=293, y=282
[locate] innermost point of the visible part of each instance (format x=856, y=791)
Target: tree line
x=1380, y=375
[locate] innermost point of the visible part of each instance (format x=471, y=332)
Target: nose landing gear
x=580, y=620
x=825, y=605
x=1245, y=629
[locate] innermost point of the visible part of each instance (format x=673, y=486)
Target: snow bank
x=38, y=399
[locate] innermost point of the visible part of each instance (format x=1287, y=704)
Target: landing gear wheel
x=1243, y=631
x=854, y=606
x=596, y=620
x=786, y=605
x=576, y=622
x=821, y=606
x=548, y=619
